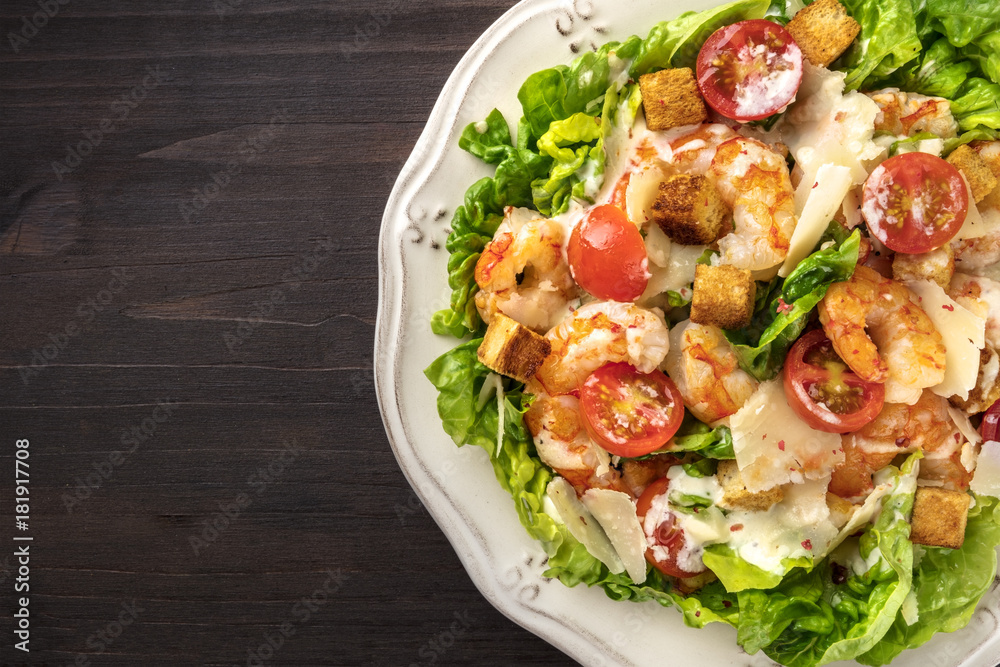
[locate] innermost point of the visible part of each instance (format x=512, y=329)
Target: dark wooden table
x=190, y=200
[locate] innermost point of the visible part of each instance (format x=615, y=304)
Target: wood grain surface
x=190, y=200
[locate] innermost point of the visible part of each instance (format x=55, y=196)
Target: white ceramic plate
x=457, y=485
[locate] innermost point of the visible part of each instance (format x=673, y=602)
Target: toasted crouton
x=939, y=517
x=670, y=98
x=735, y=495
x=937, y=265
x=689, y=210
x=976, y=171
x=512, y=349
x=823, y=31
x=989, y=151
x=723, y=296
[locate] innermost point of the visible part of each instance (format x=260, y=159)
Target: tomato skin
x=742, y=82
x=914, y=202
x=607, y=255
x=989, y=428
x=629, y=413
x=802, y=379
x=668, y=534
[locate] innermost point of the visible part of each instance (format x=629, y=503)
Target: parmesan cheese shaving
x=582, y=525
x=962, y=332
x=774, y=446
x=615, y=512
x=825, y=195
x=986, y=481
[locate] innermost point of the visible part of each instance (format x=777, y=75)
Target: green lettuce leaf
x=887, y=41
x=963, y=21
x=696, y=436
x=977, y=104
x=783, y=308
x=570, y=143
x=735, y=573
x=948, y=584
x=472, y=227
x=941, y=71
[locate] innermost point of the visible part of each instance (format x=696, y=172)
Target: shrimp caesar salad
x=728, y=319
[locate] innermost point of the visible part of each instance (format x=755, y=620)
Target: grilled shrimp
x=904, y=351
x=563, y=444
x=977, y=253
x=899, y=428
x=753, y=180
x=705, y=369
x=694, y=151
x=522, y=272
x=907, y=114
x=600, y=333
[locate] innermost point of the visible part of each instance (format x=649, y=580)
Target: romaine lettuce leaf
x=887, y=41
x=977, y=103
x=472, y=227
x=948, y=584
x=783, y=308
x=963, y=21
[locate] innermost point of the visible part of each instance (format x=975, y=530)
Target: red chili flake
x=763, y=437
x=791, y=469
x=783, y=307
x=781, y=445
x=949, y=307
x=697, y=613
x=854, y=351
x=815, y=185
x=743, y=152
x=735, y=527
x=807, y=544
x=727, y=604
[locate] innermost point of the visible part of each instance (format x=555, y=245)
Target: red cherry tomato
x=607, y=255
x=989, y=428
x=749, y=70
x=914, y=202
x=823, y=391
x=667, y=538
x=630, y=413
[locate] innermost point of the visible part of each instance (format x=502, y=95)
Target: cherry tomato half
x=630, y=413
x=749, y=70
x=823, y=391
x=989, y=428
x=607, y=255
x=914, y=202
x=667, y=538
